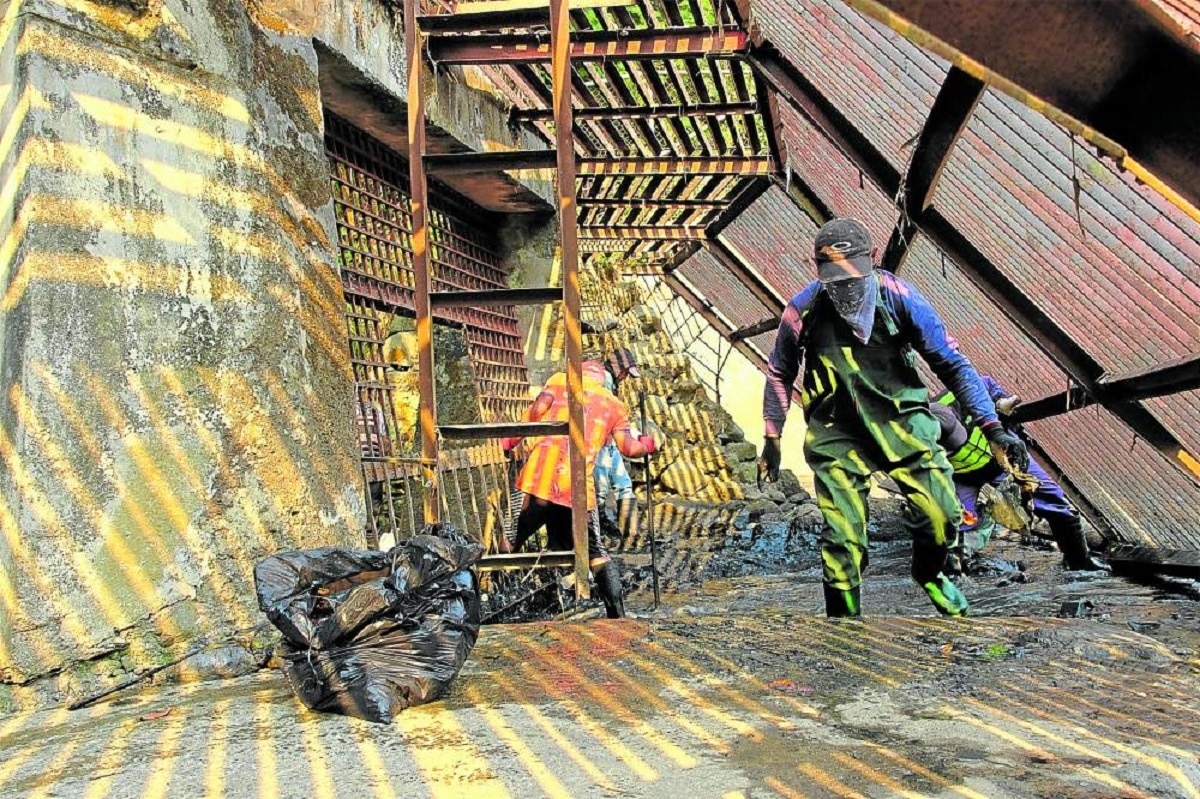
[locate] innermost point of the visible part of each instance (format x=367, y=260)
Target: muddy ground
x=1060, y=684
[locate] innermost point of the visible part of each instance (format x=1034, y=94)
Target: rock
x=807, y=519
x=599, y=325
x=741, y=451
x=731, y=433
x=746, y=473
x=757, y=508
x=776, y=496
x=685, y=392
x=789, y=484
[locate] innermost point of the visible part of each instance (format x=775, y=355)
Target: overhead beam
x=948, y=118
x=752, y=190
x=494, y=14
x=985, y=275
x=648, y=233
x=518, y=160
x=515, y=48
x=650, y=202
x=757, y=329
x=1182, y=374
x=673, y=111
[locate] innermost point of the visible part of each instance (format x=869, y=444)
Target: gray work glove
x=1008, y=450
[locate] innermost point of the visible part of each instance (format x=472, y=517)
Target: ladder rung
x=471, y=299
x=527, y=560
x=496, y=161
x=502, y=430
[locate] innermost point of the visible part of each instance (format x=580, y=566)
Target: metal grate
x=372, y=207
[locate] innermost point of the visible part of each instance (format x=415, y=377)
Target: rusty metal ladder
x=471, y=18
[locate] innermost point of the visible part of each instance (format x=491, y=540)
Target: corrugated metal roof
x=717, y=285
x=776, y=236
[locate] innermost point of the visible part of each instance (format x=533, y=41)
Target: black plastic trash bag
x=368, y=634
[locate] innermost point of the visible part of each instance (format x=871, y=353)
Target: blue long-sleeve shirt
x=919, y=325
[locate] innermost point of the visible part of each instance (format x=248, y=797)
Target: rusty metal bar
x=649, y=202
x=644, y=233
x=1182, y=374
x=493, y=430
x=752, y=190
x=521, y=296
x=495, y=14
x=422, y=270
x=511, y=48
x=568, y=218
x=526, y=560
x=498, y=161
x=948, y=118
x=757, y=329
x=668, y=111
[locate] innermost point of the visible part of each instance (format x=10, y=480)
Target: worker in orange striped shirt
x=546, y=476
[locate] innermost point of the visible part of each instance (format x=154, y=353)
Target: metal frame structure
x=480, y=49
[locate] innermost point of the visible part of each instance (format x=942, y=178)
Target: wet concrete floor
x=733, y=688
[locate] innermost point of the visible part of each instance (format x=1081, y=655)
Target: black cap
x=843, y=250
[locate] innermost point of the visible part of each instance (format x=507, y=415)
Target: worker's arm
x=784, y=363
x=629, y=443
x=953, y=435
x=928, y=336
x=535, y=412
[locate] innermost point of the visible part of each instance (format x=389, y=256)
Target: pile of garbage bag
x=367, y=634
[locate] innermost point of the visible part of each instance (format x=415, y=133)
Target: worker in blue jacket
x=857, y=331
x=974, y=467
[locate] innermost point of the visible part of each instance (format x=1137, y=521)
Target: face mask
x=854, y=300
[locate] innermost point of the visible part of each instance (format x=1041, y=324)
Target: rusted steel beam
x=987, y=277
x=526, y=560
x=643, y=233
x=756, y=329
x=735, y=165
x=650, y=202
x=509, y=48
x=948, y=118
x=421, y=261
x=498, y=161
x=568, y=218
x=480, y=432
x=1182, y=374
x=799, y=192
x=1134, y=558
x=496, y=14
x=671, y=111
x=471, y=299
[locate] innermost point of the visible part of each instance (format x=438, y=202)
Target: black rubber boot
x=1072, y=542
x=841, y=604
x=627, y=518
x=608, y=586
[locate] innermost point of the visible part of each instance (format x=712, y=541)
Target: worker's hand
x=648, y=443
x=1008, y=450
x=1006, y=405
x=768, y=463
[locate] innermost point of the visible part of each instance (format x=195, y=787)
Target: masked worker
x=974, y=467
x=546, y=476
x=857, y=330
x=611, y=475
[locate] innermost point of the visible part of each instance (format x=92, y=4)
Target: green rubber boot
x=946, y=597
x=842, y=604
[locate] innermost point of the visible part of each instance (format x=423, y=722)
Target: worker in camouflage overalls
x=857, y=330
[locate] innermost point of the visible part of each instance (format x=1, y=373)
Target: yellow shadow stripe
x=52, y=772
x=110, y=763
x=445, y=755
x=569, y=749
x=750, y=679
x=591, y=726
x=40, y=504
x=828, y=782
x=894, y=787
x=220, y=456
x=676, y=686
x=317, y=758
x=1057, y=738
x=266, y=771
x=1038, y=752
x=922, y=771
x=12, y=765
x=380, y=780
x=781, y=789
x=870, y=651
x=1153, y=761
x=651, y=699
x=536, y=768
x=215, y=741
x=92, y=214
x=619, y=709
x=1181, y=703
x=169, y=755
